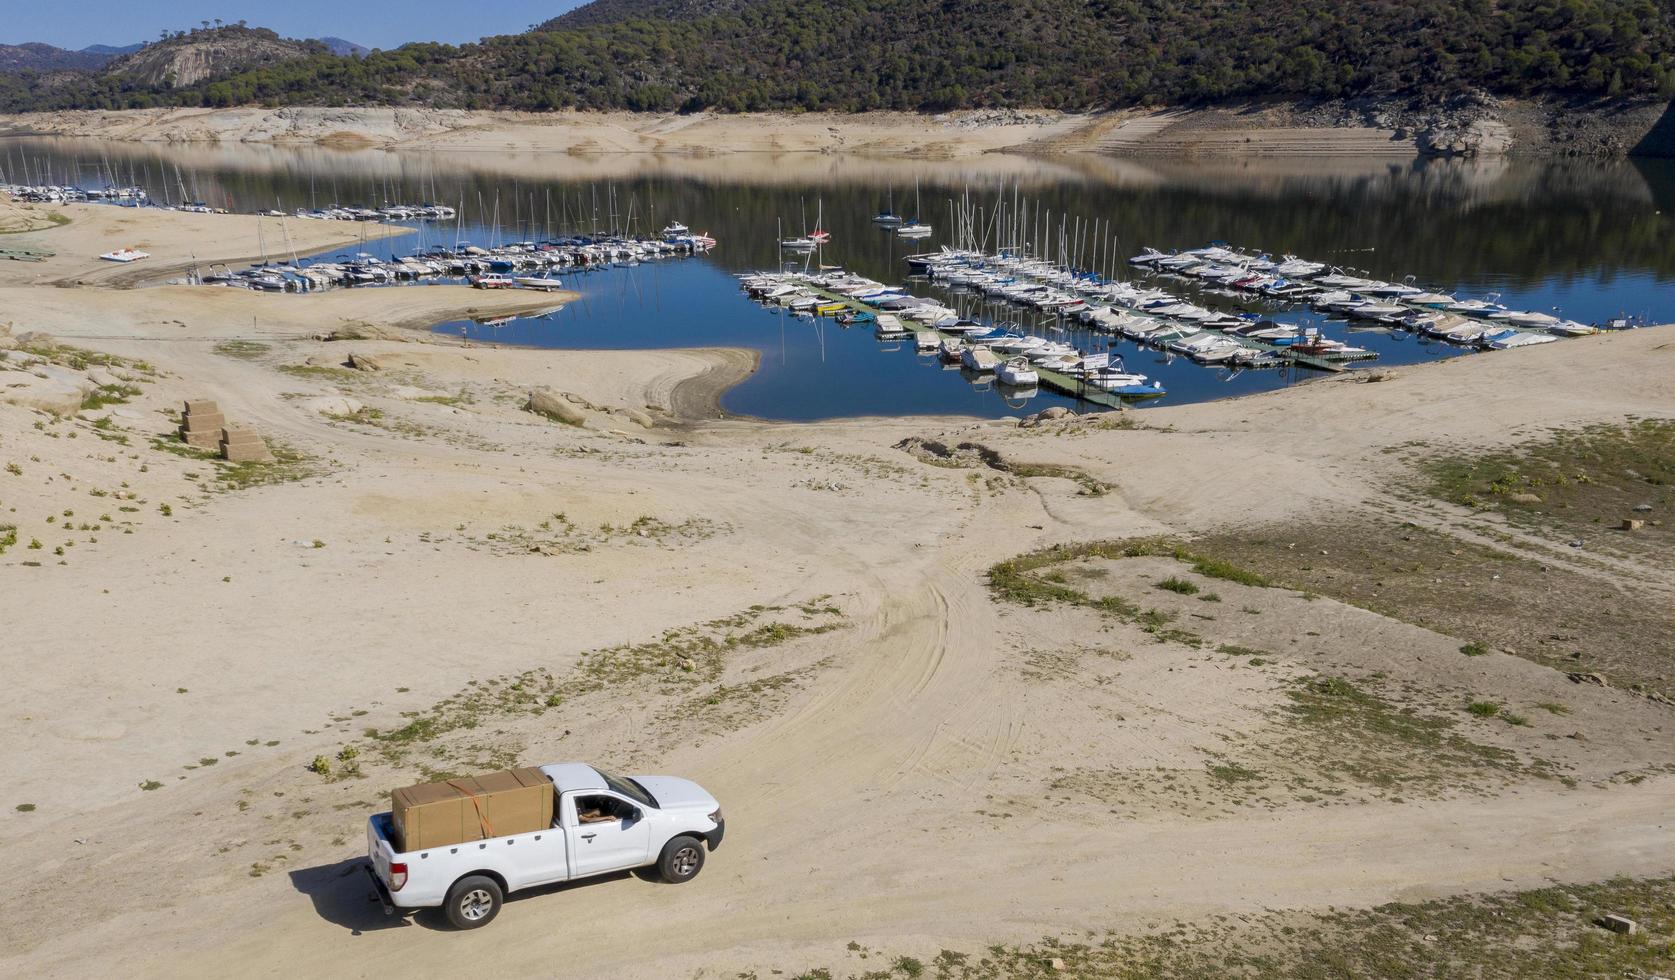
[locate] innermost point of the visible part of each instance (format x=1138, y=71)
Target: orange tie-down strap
x=482, y=818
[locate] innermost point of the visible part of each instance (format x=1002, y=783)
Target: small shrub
x=1484, y=709
x=26, y=808
x=1178, y=585
x=150, y=785
x=1474, y=650
x=165, y=510
x=321, y=766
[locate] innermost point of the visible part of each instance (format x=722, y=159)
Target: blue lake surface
x=1591, y=240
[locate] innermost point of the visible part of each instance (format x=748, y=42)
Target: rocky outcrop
x=557, y=406
x=187, y=59
x=334, y=405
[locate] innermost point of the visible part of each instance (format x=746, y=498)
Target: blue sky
x=376, y=24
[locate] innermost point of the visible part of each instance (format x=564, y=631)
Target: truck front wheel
x=682, y=859
x=473, y=902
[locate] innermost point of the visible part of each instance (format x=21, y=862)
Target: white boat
x=926, y=340
x=1017, y=373
x=979, y=359
x=1526, y=318
x=675, y=229
x=125, y=255
x=915, y=229
x=539, y=282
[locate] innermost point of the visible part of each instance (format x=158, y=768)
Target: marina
x=1194, y=336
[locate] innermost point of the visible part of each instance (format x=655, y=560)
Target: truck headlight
x=715, y=815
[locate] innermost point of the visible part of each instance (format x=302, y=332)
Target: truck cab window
x=597, y=809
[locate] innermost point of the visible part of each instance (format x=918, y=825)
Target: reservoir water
x=1589, y=240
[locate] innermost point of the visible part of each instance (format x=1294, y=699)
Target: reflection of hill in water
x=1451, y=183
x=1446, y=221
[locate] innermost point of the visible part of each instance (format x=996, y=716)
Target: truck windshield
x=628, y=788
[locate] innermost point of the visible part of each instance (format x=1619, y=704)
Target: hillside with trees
x=857, y=55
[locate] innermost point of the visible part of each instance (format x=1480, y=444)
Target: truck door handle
x=589, y=836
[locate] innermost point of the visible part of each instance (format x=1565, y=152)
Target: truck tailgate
x=379, y=850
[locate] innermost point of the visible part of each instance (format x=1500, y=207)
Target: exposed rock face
x=1480, y=137
x=199, y=55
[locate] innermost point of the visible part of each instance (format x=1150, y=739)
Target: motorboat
x=979, y=359
x=1017, y=372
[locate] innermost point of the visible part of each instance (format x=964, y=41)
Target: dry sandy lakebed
x=1017, y=708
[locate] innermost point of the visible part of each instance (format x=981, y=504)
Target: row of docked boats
x=62, y=194
x=1484, y=323
x=390, y=212
x=1150, y=317
x=528, y=265
x=1003, y=350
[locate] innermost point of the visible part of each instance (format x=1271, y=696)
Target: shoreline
x=1255, y=127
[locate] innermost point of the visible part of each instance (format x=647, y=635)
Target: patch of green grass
x=1549, y=933
x=1571, y=480
x=452, y=401
x=1483, y=709
x=1370, y=741
x=25, y=808
x=317, y=372
x=244, y=350
x=1227, y=571
x=1553, y=708
x=150, y=784
x=1475, y=650
x=1232, y=772
x=1178, y=585
x=109, y=395
x=678, y=661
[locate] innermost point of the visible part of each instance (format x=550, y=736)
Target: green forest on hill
x=855, y=55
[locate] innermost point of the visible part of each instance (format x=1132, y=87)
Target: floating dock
x=1063, y=384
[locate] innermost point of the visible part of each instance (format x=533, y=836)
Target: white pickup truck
x=602, y=823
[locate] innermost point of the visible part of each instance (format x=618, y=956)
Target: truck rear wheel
x=473, y=902
x=682, y=859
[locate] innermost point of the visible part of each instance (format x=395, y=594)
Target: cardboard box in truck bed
x=471, y=808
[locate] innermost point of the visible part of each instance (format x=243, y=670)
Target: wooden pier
x=26, y=254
